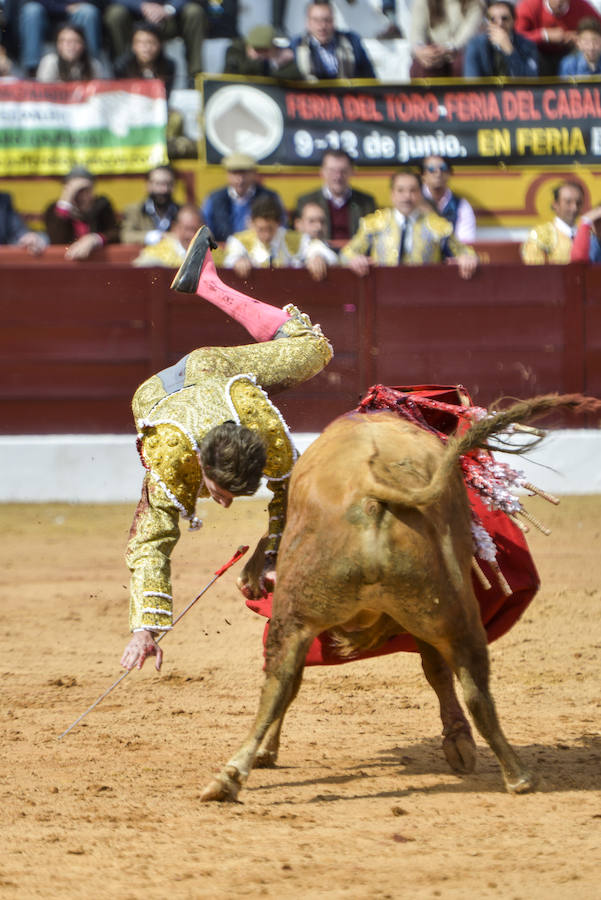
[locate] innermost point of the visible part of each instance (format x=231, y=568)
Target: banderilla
x=237, y=555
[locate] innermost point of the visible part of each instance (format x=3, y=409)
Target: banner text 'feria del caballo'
x=547, y=122
x=110, y=127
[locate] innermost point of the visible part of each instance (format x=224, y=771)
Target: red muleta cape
x=442, y=409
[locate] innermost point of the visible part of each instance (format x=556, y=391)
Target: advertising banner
x=110, y=127
x=529, y=123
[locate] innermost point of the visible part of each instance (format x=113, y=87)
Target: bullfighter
x=206, y=428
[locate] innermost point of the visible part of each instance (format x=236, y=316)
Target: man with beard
x=147, y=222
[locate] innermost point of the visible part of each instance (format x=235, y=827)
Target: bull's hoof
x=265, y=759
x=460, y=750
x=224, y=787
x=523, y=784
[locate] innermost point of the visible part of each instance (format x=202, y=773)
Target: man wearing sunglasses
x=500, y=50
x=456, y=210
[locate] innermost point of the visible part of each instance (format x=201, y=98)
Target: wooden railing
x=77, y=338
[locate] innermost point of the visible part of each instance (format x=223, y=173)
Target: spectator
x=146, y=57
x=258, y=54
x=587, y=243
x=171, y=19
x=409, y=233
x=170, y=250
x=551, y=25
x=147, y=222
x=587, y=59
x=323, y=52
x=36, y=17
x=311, y=222
x=342, y=204
x=267, y=244
x=500, y=50
x=456, y=210
x=14, y=231
x=81, y=218
x=227, y=209
x=70, y=61
x=551, y=242
x=439, y=32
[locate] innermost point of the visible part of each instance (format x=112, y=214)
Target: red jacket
x=533, y=17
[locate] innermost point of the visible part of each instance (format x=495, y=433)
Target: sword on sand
x=237, y=555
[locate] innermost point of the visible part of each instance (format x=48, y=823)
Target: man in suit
x=14, y=231
x=342, y=204
x=322, y=52
x=407, y=233
x=227, y=210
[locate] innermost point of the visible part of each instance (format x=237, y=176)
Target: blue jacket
x=479, y=59
x=223, y=219
x=575, y=64
x=12, y=226
x=353, y=61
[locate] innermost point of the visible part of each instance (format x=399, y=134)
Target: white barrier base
x=105, y=468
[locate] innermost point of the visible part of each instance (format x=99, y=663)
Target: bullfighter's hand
x=359, y=265
x=318, y=267
x=467, y=265
x=243, y=267
x=140, y=646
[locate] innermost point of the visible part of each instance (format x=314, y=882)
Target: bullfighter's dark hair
x=233, y=457
x=406, y=170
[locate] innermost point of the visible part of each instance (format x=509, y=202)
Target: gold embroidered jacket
x=546, y=244
x=173, y=411
x=379, y=237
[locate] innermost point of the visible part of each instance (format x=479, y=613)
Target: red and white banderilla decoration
x=237, y=555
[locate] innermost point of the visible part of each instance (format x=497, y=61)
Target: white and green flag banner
x=107, y=126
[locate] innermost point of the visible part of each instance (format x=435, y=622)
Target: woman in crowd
x=146, y=57
x=70, y=60
x=440, y=29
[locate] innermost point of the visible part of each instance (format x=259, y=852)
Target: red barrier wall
x=78, y=338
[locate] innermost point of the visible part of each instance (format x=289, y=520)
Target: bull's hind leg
x=458, y=744
x=470, y=663
x=282, y=680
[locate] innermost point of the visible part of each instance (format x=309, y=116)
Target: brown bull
x=378, y=534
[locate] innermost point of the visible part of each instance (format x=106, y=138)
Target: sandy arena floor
x=362, y=804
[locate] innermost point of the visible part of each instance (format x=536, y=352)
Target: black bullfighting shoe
x=188, y=274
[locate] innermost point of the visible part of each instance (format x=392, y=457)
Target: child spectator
x=551, y=25
x=267, y=244
x=587, y=59
x=70, y=61
x=171, y=249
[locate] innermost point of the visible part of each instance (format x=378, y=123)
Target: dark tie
x=402, y=241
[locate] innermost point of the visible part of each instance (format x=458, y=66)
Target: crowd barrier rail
x=77, y=338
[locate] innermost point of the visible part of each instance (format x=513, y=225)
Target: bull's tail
x=387, y=491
